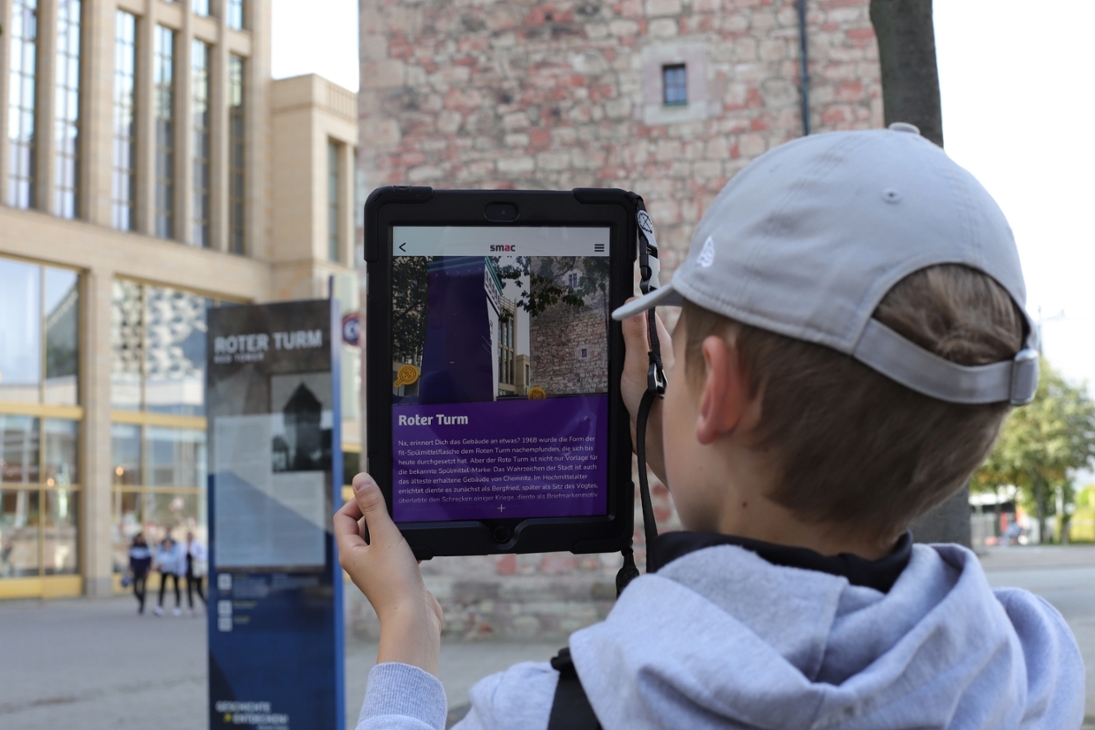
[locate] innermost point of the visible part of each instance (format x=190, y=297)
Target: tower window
x=675, y=85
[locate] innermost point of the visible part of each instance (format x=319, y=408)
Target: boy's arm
x=385, y=570
x=633, y=384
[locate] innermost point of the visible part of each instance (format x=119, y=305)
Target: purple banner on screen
x=512, y=458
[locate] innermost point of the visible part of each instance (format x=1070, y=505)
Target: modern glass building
x=151, y=170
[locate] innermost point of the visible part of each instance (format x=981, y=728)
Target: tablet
x=493, y=413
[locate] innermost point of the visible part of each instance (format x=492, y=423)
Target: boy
x=851, y=339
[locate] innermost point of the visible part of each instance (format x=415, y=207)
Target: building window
x=124, y=178
x=334, y=196
x=235, y=14
x=675, y=85
x=39, y=334
x=158, y=349
x=22, y=103
x=158, y=441
x=163, y=72
x=39, y=420
x=507, y=348
x=199, y=60
x=201, y=7
x=66, y=122
x=159, y=476
x=236, y=156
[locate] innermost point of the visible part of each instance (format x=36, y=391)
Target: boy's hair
x=852, y=446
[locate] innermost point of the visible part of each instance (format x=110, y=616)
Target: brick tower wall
x=556, y=95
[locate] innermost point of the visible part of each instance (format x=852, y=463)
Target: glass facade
x=235, y=14
x=38, y=496
x=163, y=73
x=39, y=333
x=199, y=61
x=159, y=485
x=158, y=349
x=39, y=420
x=236, y=156
x=201, y=7
x=158, y=442
x=124, y=164
x=22, y=103
x=334, y=194
x=66, y=121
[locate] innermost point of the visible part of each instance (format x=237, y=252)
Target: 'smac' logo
x=507, y=247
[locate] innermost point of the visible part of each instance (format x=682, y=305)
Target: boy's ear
x=725, y=396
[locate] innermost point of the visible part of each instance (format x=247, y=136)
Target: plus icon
x=501, y=508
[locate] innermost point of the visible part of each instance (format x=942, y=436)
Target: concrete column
x=259, y=133
x=346, y=203
x=97, y=112
x=184, y=126
x=44, y=89
x=95, y=452
x=146, y=122
x=218, y=130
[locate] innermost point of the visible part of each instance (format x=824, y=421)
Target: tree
x=1042, y=444
x=410, y=301
x=549, y=280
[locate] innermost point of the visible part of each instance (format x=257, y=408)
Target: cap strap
x=897, y=358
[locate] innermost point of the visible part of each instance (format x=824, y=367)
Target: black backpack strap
x=570, y=710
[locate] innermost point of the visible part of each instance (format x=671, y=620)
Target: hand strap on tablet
x=655, y=388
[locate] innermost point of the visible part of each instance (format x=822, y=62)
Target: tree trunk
x=910, y=93
x=949, y=522
x=906, y=53
x=1040, y=509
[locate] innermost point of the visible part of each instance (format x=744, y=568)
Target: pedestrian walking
x=171, y=564
x=140, y=562
x=197, y=566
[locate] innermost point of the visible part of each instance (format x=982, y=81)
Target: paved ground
x=65, y=662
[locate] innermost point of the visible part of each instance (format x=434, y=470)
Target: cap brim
x=667, y=296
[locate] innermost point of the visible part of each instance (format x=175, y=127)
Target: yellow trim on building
x=42, y=410
x=147, y=418
x=44, y=586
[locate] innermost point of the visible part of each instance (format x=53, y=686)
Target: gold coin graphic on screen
x=536, y=393
x=406, y=375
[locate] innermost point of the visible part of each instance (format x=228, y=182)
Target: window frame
x=145, y=419
x=118, y=205
x=22, y=183
x=43, y=411
x=675, y=84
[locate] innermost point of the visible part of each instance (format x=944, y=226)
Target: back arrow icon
x=403, y=247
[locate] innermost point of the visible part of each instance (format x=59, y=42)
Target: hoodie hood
x=720, y=638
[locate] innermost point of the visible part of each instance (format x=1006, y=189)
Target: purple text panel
x=512, y=458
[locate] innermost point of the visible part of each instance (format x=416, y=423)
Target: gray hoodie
x=721, y=638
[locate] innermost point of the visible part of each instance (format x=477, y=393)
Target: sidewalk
x=65, y=662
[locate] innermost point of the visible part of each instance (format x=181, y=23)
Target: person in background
x=196, y=567
x=171, y=564
x=140, y=562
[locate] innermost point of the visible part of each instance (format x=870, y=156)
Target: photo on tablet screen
x=499, y=372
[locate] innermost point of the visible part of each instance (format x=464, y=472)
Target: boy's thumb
x=371, y=501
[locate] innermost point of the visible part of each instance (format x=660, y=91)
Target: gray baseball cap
x=807, y=239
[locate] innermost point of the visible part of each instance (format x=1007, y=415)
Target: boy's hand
x=385, y=570
x=633, y=383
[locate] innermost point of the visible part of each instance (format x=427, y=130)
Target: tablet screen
x=499, y=372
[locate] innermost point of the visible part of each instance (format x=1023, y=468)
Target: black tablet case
x=423, y=206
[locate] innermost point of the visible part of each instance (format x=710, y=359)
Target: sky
x=1017, y=113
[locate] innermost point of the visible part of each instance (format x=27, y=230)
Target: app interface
x=499, y=372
